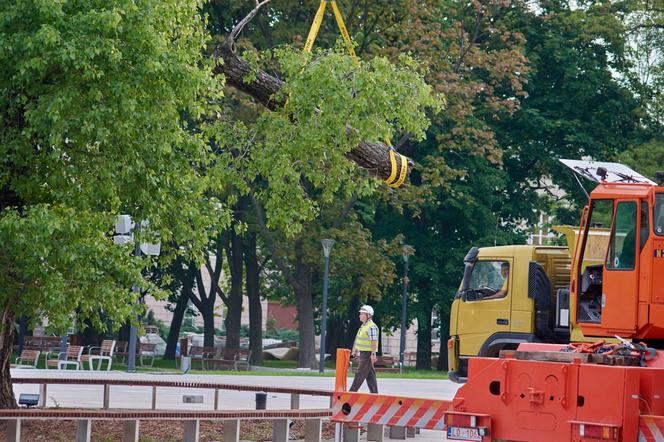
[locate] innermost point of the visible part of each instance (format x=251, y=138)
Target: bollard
x=261, y=400
x=341, y=374
x=185, y=364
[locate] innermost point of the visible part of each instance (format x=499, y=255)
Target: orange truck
x=593, y=391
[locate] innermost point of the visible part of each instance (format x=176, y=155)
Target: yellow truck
x=514, y=294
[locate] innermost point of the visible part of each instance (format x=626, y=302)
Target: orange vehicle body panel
x=657, y=286
x=534, y=400
x=619, y=311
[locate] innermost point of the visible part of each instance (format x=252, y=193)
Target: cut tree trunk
x=7, y=399
x=372, y=156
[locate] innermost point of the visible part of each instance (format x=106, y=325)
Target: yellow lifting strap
x=315, y=27
x=397, y=175
x=393, y=180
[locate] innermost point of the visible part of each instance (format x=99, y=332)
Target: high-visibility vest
x=362, y=341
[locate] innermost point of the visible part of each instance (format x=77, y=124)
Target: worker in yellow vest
x=365, y=347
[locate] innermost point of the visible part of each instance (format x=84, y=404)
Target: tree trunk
x=254, y=295
x=205, y=304
x=372, y=156
x=208, y=321
x=7, y=399
x=424, y=341
x=176, y=324
x=234, y=253
x=23, y=332
x=305, y=313
x=91, y=336
x=123, y=332
x=233, y=320
x=444, y=334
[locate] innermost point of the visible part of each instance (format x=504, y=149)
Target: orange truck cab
x=617, y=285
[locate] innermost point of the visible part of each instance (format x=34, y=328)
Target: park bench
x=203, y=355
x=121, y=349
x=386, y=364
x=27, y=359
x=100, y=354
x=146, y=350
x=64, y=359
x=143, y=350
x=410, y=358
x=383, y=364
x=233, y=359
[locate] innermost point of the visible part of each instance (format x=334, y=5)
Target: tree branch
x=237, y=29
x=369, y=155
x=344, y=212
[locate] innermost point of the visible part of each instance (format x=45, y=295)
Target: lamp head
x=327, y=246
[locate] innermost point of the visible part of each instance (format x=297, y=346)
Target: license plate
x=462, y=433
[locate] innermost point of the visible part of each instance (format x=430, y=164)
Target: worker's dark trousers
x=365, y=371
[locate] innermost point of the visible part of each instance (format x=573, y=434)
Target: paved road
x=90, y=396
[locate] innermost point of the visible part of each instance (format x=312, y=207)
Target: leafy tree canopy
x=96, y=100
x=294, y=158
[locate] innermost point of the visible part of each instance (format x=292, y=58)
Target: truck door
x=485, y=304
x=621, y=276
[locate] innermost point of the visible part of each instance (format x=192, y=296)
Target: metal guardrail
x=174, y=384
x=154, y=384
x=63, y=413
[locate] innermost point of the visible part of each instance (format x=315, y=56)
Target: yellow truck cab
x=508, y=295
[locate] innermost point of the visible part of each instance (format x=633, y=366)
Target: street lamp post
x=123, y=234
x=133, y=332
x=327, y=248
x=404, y=304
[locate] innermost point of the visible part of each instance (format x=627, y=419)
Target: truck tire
x=539, y=290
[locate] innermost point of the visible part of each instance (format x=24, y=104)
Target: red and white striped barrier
x=400, y=411
x=651, y=428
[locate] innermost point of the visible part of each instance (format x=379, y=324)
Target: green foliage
x=576, y=106
x=299, y=152
x=93, y=97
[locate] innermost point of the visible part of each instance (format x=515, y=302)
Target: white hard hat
x=367, y=309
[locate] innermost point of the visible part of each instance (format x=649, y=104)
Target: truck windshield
x=658, y=214
x=488, y=280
